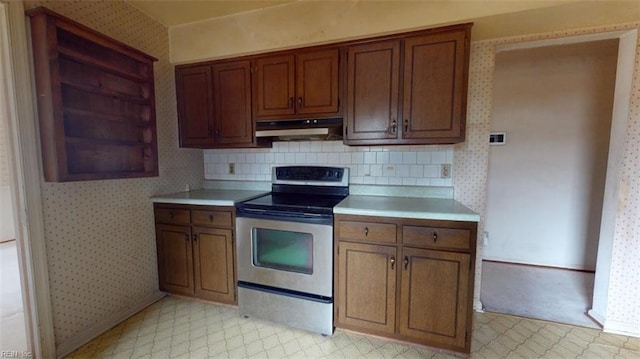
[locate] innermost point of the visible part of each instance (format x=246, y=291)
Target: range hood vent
x=322, y=129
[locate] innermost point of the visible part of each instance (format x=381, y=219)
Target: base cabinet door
x=175, y=261
x=433, y=298
x=212, y=252
x=367, y=280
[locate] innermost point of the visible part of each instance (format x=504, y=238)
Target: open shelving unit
x=96, y=102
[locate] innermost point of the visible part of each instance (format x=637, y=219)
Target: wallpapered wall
x=470, y=165
x=623, y=303
x=99, y=234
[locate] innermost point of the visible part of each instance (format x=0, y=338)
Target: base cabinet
x=434, y=297
x=175, y=262
x=367, y=279
x=406, y=279
x=196, y=251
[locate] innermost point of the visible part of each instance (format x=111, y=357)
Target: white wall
x=545, y=186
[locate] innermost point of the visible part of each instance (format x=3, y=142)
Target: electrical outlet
x=232, y=168
x=445, y=170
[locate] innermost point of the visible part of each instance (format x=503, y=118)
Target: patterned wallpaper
x=382, y=165
x=623, y=304
x=99, y=234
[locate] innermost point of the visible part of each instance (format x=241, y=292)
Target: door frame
x=25, y=177
x=619, y=120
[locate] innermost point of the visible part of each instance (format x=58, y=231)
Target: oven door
x=285, y=255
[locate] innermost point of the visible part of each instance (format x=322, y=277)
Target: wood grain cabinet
x=300, y=84
x=408, y=89
x=214, y=104
x=196, y=251
x=96, y=102
x=412, y=283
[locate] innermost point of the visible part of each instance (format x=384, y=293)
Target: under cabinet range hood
x=321, y=129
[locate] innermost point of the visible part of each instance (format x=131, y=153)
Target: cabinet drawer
x=436, y=237
x=211, y=218
x=172, y=215
x=367, y=231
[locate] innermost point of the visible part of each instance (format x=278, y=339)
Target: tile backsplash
x=382, y=165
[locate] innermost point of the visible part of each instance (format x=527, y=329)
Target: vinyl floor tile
x=180, y=328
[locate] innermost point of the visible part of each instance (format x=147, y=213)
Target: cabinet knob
x=406, y=262
x=195, y=237
x=171, y=215
x=393, y=262
x=300, y=101
x=394, y=125
x=366, y=231
x=406, y=124
x=290, y=103
x=211, y=218
x=186, y=237
x=435, y=236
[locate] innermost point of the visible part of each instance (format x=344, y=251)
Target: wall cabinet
x=300, y=84
x=406, y=279
x=96, y=102
x=408, y=89
x=196, y=251
x=214, y=105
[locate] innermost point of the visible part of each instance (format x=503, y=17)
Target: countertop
x=208, y=197
x=406, y=207
x=384, y=206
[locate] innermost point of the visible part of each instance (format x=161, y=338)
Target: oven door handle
x=301, y=217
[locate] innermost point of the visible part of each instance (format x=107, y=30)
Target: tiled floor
x=178, y=328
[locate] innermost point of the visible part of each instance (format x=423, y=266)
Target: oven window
x=283, y=250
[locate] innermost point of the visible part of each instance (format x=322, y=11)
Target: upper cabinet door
x=195, y=105
x=435, y=74
x=233, y=124
x=372, y=91
x=317, y=82
x=275, y=81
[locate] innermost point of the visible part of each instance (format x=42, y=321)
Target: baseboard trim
x=478, y=306
x=595, y=316
x=82, y=338
x=622, y=328
x=538, y=265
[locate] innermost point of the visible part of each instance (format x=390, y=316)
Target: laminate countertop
x=406, y=207
x=208, y=197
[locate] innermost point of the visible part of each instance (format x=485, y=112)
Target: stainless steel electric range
x=285, y=248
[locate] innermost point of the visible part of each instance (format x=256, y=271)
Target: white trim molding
x=622, y=328
x=94, y=331
x=25, y=182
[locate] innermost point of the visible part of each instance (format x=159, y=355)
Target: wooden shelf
x=96, y=102
x=92, y=61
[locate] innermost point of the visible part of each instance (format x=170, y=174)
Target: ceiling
x=177, y=12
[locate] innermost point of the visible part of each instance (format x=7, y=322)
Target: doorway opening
x=547, y=184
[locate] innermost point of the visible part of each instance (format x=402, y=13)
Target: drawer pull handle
x=366, y=231
x=435, y=236
x=195, y=237
x=393, y=262
x=300, y=101
x=406, y=125
x=211, y=218
x=406, y=262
